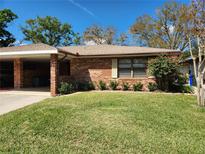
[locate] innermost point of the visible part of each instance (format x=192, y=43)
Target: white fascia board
x=29, y=52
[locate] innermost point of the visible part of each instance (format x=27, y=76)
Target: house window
x=139, y=67
x=64, y=68
x=125, y=67
x=132, y=67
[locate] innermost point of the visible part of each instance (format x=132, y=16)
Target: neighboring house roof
x=188, y=59
x=109, y=50
x=38, y=46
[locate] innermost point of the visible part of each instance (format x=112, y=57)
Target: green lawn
x=106, y=123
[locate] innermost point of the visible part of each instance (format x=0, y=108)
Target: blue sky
x=82, y=13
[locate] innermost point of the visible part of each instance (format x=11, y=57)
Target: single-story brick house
x=39, y=65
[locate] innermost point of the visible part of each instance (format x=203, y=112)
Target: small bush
x=91, y=86
x=65, y=88
x=138, y=86
x=102, y=85
x=181, y=79
x=125, y=86
x=85, y=86
x=152, y=86
x=187, y=89
x=182, y=88
x=82, y=86
x=180, y=85
x=113, y=85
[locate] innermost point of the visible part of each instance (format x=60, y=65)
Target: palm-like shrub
x=152, y=86
x=102, y=85
x=113, y=85
x=138, y=86
x=125, y=86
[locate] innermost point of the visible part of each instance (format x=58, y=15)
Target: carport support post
x=18, y=73
x=54, y=74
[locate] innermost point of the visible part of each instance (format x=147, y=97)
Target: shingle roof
x=106, y=50
x=31, y=47
x=96, y=50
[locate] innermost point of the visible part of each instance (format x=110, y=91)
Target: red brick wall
x=18, y=73
x=95, y=69
x=132, y=81
x=91, y=69
x=54, y=74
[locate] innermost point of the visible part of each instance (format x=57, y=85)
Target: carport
x=33, y=66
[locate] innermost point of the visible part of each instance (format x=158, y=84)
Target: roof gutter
x=126, y=55
x=118, y=55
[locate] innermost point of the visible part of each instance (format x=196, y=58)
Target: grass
x=106, y=123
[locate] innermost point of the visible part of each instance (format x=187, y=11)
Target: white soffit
x=29, y=52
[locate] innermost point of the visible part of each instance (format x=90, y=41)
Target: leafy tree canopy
x=99, y=35
x=6, y=17
x=197, y=24
x=167, y=30
x=121, y=40
x=51, y=31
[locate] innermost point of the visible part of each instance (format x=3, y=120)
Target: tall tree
x=196, y=31
x=6, y=17
x=122, y=39
x=99, y=35
x=164, y=31
x=51, y=31
x=109, y=35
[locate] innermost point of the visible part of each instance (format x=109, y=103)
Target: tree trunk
x=199, y=73
x=202, y=97
x=198, y=91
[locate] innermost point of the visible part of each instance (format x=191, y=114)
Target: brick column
x=18, y=73
x=54, y=74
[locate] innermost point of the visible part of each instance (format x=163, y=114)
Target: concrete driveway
x=12, y=100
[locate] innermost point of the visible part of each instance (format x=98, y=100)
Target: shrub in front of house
x=152, y=86
x=165, y=70
x=187, y=89
x=102, y=85
x=182, y=88
x=125, y=86
x=66, y=88
x=138, y=86
x=182, y=80
x=113, y=85
x=81, y=86
x=91, y=86
x=180, y=85
x=85, y=86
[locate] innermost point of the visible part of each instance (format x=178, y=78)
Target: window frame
x=132, y=68
x=119, y=68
